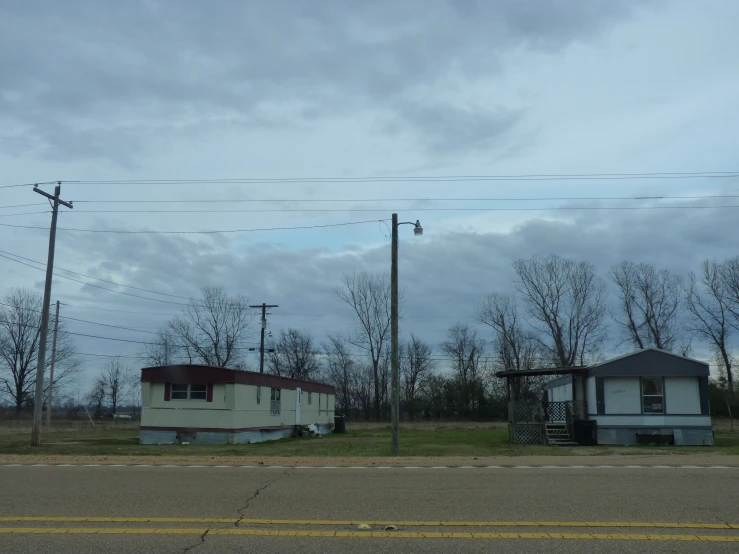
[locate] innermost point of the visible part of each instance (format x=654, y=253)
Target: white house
x=645, y=396
x=214, y=405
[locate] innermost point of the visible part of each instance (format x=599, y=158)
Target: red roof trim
x=208, y=374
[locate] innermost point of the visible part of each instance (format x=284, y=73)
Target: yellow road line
x=357, y=534
x=327, y=522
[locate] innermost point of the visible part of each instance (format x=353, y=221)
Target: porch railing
x=528, y=419
x=545, y=412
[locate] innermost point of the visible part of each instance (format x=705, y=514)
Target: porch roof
x=538, y=372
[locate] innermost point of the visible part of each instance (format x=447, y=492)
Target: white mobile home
x=214, y=405
x=646, y=396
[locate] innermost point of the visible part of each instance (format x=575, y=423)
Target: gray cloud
x=444, y=276
x=99, y=79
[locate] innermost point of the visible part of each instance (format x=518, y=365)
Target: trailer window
x=653, y=396
x=182, y=391
x=274, y=408
x=198, y=392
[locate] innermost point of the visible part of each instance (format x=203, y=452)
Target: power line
x=33, y=184
x=24, y=213
x=109, y=325
x=22, y=205
x=85, y=321
x=225, y=231
x=426, y=178
x=119, y=311
x=98, y=278
x=94, y=286
x=212, y=232
x=108, y=355
x=336, y=200
x=413, y=208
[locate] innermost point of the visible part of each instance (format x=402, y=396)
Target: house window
x=183, y=391
x=310, y=398
x=274, y=407
x=319, y=401
x=259, y=395
x=179, y=392
x=653, y=396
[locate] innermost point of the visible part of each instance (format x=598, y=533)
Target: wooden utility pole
x=51, y=370
x=394, y=362
x=43, y=332
x=264, y=308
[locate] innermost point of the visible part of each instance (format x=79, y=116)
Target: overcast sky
x=143, y=90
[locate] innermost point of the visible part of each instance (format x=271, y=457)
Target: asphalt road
x=48, y=509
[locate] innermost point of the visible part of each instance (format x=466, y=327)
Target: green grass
x=373, y=441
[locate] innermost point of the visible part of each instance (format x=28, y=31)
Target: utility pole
x=43, y=332
x=264, y=308
x=51, y=371
x=394, y=362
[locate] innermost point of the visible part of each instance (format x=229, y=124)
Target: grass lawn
x=364, y=440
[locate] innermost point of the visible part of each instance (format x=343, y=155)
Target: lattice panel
x=564, y=411
x=526, y=434
x=527, y=412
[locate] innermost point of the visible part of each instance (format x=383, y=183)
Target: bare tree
x=20, y=330
x=566, y=300
x=650, y=301
x=165, y=350
x=341, y=371
x=293, y=355
x=709, y=302
x=96, y=396
x=514, y=347
x=210, y=329
x=416, y=363
x=466, y=351
x=117, y=381
x=363, y=390
x=369, y=297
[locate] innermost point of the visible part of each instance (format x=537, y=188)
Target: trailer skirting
x=218, y=436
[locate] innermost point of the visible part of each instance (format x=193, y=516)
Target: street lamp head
x=418, y=230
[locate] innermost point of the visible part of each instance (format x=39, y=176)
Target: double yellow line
x=278, y=532
x=343, y=523
x=356, y=534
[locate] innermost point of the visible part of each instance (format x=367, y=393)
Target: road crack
x=253, y=497
x=202, y=541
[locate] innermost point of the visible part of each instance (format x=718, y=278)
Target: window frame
x=661, y=381
x=310, y=398
x=275, y=402
x=204, y=392
x=173, y=393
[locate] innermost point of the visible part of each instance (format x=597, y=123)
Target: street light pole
x=394, y=347
x=394, y=361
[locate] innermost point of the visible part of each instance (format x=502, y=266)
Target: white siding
x=682, y=395
x=233, y=407
x=561, y=393
x=592, y=399
x=659, y=421
x=622, y=395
